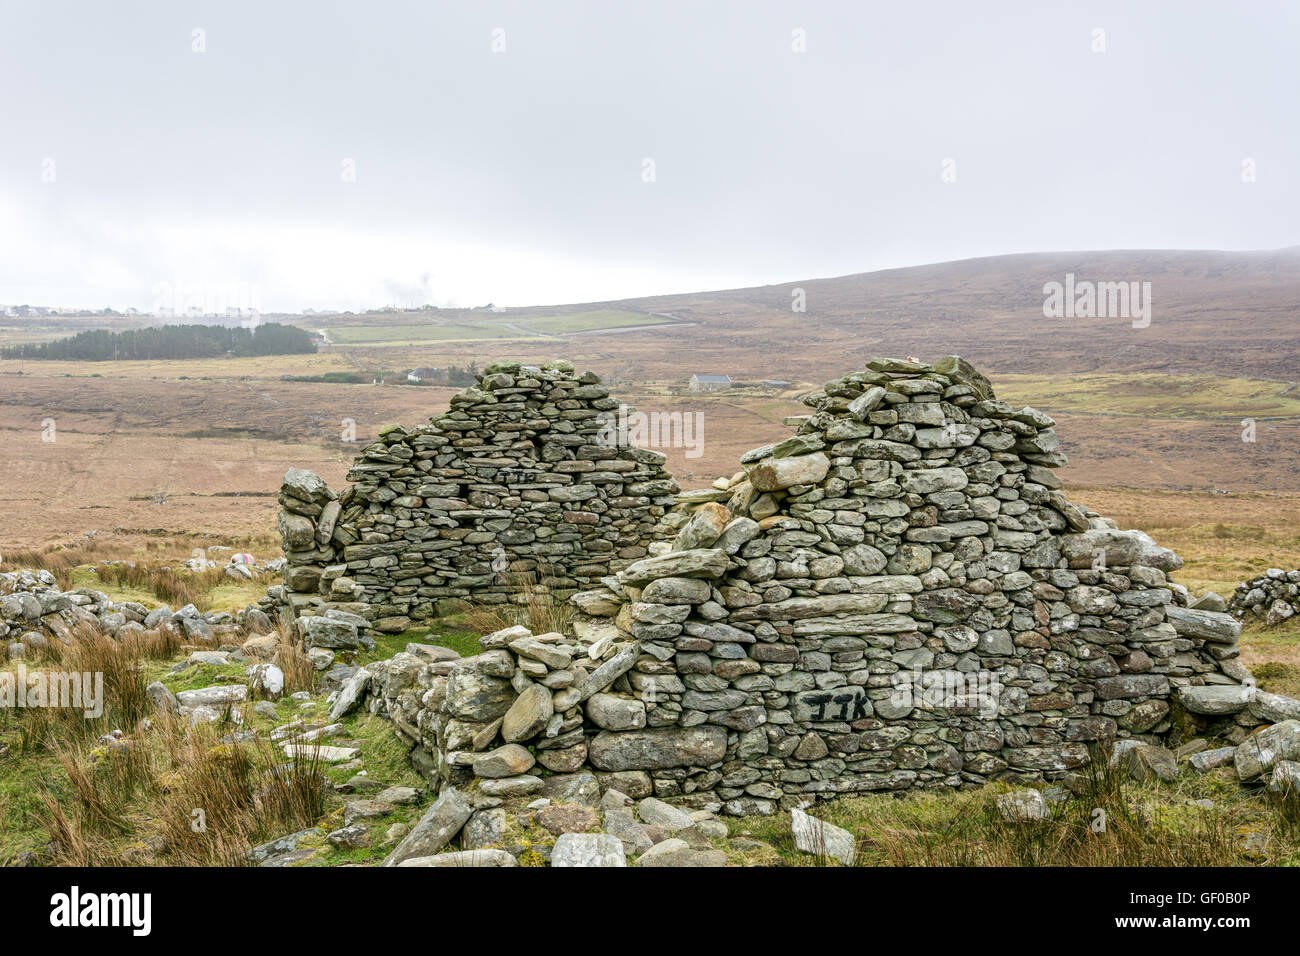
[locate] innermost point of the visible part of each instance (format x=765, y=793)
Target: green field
x=1152, y=395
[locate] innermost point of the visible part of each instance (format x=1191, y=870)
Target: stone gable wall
x=522, y=476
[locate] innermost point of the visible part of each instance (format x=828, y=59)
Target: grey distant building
x=710, y=383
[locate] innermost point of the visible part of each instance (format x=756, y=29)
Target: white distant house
x=710, y=383
x=423, y=375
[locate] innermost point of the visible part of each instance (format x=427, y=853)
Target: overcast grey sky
x=519, y=175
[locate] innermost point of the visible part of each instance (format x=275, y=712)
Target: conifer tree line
x=171, y=342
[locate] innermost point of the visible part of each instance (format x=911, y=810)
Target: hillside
x=1224, y=313
x=200, y=445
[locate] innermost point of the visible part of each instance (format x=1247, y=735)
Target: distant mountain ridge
x=1225, y=313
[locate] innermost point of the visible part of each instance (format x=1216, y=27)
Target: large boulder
x=306, y=486
x=1023, y=806
x=506, y=761
x=1118, y=548
x=775, y=474
x=528, y=715
x=474, y=695
x=329, y=632
x=704, y=527
x=1206, y=625
x=1258, y=753
x=821, y=838
x=1215, y=699
x=481, y=857
x=1274, y=708
x=658, y=749
x=697, y=563
x=616, y=712
x=438, y=827
x=297, y=532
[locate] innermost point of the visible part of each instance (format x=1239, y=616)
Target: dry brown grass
x=125, y=574
x=124, y=699
x=178, y=588
x=175, y=587
x=537, y=607
x=73, y=842
x=58, y=562
x=299, y=672
x=208, y=803
x=1287, y=812
x=1110, y=821
x=53, y=557
x=102, y=790
x=91, y=805
x=244, y=795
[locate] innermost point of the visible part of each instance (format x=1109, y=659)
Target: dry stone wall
x=897, y=596
x=523, y=475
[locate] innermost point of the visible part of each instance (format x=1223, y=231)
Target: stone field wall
x=897, y=596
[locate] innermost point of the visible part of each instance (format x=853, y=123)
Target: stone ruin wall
x=898, y=596
x=521, y=478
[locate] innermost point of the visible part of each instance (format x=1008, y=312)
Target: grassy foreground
x=109, y=803
x=70, y=794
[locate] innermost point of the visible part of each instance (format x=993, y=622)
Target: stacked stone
x=1273, y=597
x=524, y=706
x=309, y=512
x=34, y=612
x=523, y=475
x=327, y=617
x=901, y=596
x=1233, y=712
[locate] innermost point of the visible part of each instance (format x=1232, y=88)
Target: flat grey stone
x=587, y=849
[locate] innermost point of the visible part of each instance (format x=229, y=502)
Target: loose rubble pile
x=1274, y=596
x=898, y=596
x=34, y=612
x=37, y=617
x=589, y=827
x=526, y=702
x=525, y=474
x=1271, y=756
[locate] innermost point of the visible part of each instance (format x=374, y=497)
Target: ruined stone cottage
x=899, y=595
